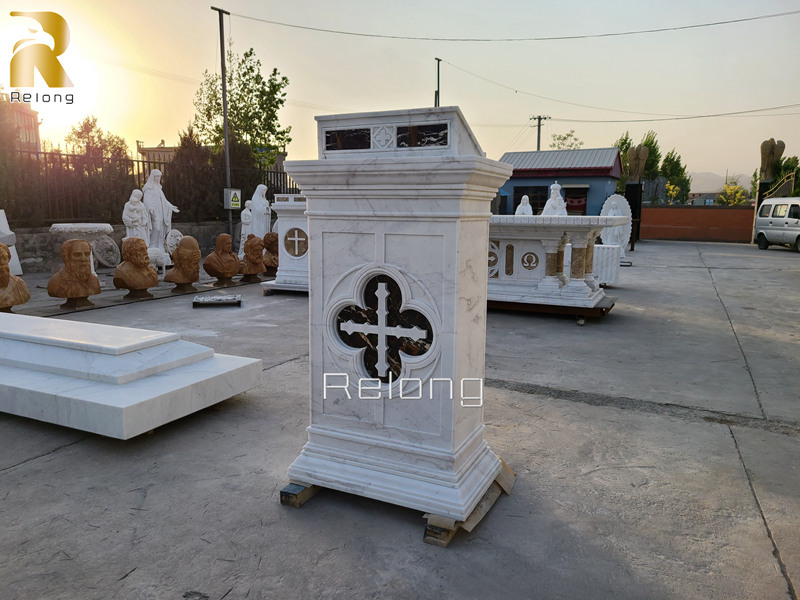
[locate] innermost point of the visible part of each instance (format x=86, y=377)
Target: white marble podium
x=292, y=230
x=114, y=381
x=398, y=209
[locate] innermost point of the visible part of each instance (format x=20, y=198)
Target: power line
x=516, y=91
x=536, y=39
x=687, y=118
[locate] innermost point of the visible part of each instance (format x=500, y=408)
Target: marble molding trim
x=118, y=382
x=292, y=266
x=397, y=288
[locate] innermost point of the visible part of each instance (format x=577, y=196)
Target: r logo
x=32, y=53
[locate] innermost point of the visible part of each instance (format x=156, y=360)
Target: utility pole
x=436, y=95
x=539, y=119
x=225, y=110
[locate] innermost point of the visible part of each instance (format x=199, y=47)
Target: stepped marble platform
x=118, y=382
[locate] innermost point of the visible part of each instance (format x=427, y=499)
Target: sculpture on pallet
x=13, y=290
x=253, y=262
x=159, y=208
x=136, y=218
x=222, y=263
x=75, y=281
x=134, y=272
x=187, y=266
x=271, y=253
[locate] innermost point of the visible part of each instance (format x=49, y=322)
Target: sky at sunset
x=137, y=65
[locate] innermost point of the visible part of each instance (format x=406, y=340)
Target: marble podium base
x=118, y=382
x=427, y=479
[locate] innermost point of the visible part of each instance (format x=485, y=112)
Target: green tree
x=566, y=141
x=253, y=105
x=675, y=173
x=87, y=139
x=624, y=144
x=651, y=166
x=732, y=194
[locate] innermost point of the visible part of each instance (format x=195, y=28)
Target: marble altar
x=398, y=205
x=526, y=259
x=292, y=230
x=118, y=382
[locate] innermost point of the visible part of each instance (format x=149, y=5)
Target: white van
x=778, y=222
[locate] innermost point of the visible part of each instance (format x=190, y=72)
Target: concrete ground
x=656, y=454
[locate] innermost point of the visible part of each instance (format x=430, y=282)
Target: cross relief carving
x=383, y=329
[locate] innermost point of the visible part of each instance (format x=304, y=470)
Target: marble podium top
x=90, y=337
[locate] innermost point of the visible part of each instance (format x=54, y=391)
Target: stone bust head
x=187, y=262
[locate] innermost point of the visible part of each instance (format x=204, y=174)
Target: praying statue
x=247, y=229
x=13, y=290
x=159, y=209
x=186, y=271
x=524, y=208
x=222, y=263
x=261, y=213
x=75, y=281
x=136, y=218
x=134, y=273
x=555, y=204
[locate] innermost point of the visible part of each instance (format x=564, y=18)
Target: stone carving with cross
x=296, y=242
x=383, y=329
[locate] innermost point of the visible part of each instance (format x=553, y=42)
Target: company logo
x=34, y=54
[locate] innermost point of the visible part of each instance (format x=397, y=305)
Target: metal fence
x=41, y=188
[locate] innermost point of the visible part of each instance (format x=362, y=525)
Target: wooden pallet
x=581, y=313
x=439, y=530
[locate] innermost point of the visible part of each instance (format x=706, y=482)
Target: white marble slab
x=89, y=337
x=97, y=366
x=114, y=381
x=127, y=410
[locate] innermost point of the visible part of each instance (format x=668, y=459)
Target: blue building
x=587, y=178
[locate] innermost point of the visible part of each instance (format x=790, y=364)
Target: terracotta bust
x=222, y=263
x=271, y=253
x=13, y=290
x=75, y=281
x=253, y=262
x=135, y=273
x=187, y=265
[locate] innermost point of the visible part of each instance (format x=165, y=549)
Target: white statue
x=616, y=206
x=172, y=240
x=524, y=207
x=555, y=204
x=136, y=218
x=259, y=207
x=159, y=208
x=247, y=226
